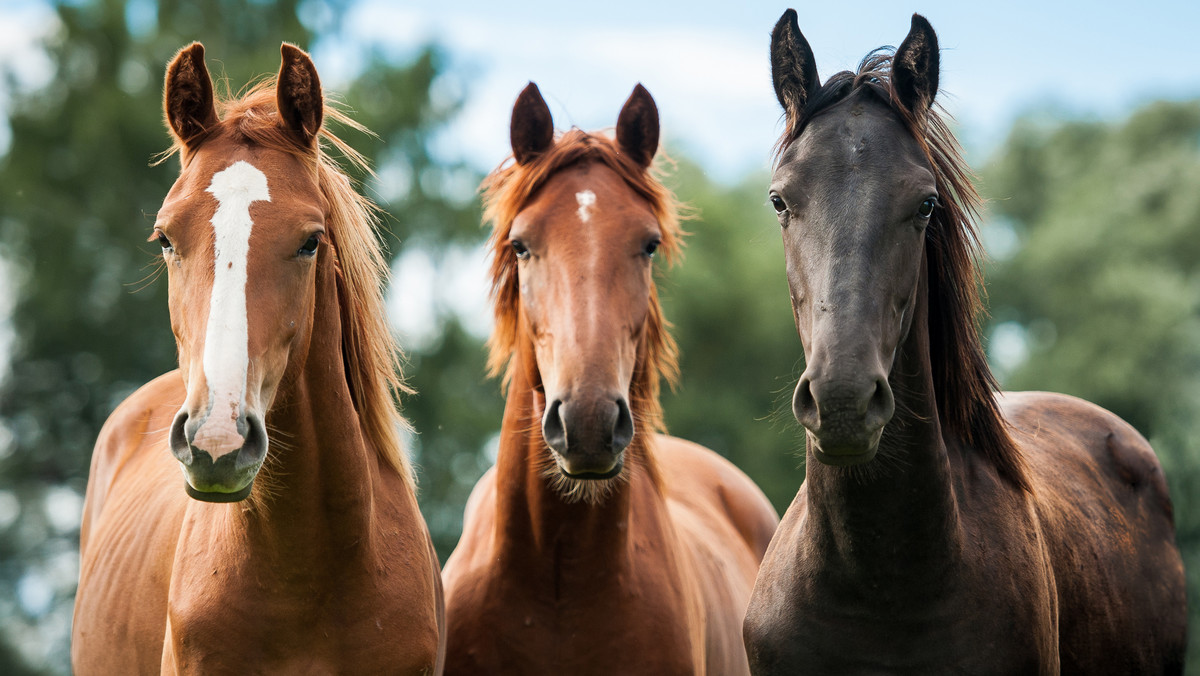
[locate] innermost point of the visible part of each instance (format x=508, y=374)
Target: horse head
x=578, y=220
x=241, y=231
x=855, y=192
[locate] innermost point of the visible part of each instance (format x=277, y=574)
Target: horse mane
x=963, y=381
x=509, y=188
x=371, y=355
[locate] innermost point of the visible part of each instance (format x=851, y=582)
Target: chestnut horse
x=595, y=545
x=323, y=564
x=942, y=528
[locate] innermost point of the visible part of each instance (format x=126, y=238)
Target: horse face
x=854, y=194
x=241, y=231
x=583, y=245
x=584, y=249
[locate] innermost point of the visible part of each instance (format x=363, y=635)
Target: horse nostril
x=622, y=433
x=881, y=405
x=179, y=438
x=804, y=405
x=553, y=430
x=254, y=449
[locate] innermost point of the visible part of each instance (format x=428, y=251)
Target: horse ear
x=793, y=66
x=637, y=127
x=298, y=95
x=532, y=129
x=188, y=96
x=915, y=67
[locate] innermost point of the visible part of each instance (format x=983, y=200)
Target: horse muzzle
x=588, y=439
x=219, y=466
x=844, y=418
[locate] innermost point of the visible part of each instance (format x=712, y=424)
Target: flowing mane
x=509, y=188
x=369, y=350
x=962, y=378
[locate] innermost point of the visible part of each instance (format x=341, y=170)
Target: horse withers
x=292, y=542
x=595, y=545
x=941, y=527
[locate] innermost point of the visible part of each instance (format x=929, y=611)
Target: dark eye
x=778, y=203
x=310, y=245
x=520, y=249
x=927, y=207
x=165, y=243
x=651, y=247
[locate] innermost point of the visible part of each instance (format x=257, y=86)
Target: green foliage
x=456, y=413
x=1105, y=282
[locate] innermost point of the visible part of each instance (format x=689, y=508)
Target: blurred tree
x=740, y=356
x=90, y=319
x=1096, y=290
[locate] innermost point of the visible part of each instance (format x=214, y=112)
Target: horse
x=942, y=527
x=596, y=544
x=294, y=544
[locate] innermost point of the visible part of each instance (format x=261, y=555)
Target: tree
x=1100, y=295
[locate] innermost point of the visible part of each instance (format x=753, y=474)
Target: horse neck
x=903, y=501
x=321, y=479
x=535, y=524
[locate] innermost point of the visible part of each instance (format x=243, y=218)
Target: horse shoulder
x=1103, y=503
x=706, y=481
x=726, y=523
x=143, y=417
x=131, y=520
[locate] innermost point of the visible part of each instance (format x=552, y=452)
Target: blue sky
x=706, y=63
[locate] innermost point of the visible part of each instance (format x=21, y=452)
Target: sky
x=706, y=63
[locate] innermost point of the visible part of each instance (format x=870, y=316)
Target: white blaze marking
x=227, y=337
x=586, y=199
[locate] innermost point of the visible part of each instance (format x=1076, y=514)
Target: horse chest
x=551, y=621
x=326, y=620
x=813, y=620
x=341, y=638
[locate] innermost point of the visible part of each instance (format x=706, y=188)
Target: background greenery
x=1094, y=230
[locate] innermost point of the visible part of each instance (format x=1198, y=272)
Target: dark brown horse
x=941, y=528
x=595, y=545
x=323, y=563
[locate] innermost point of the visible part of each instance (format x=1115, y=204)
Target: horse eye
x=165, y=243
x=927, y=207
x=310, y=246
x=778, y=203
x=520, y=249
x=651, y=247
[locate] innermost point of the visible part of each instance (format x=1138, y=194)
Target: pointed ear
x=637, y=127
x=793, y=66
x=188, y=96
x=915, y=67
x=532, y=129
x=298, y=95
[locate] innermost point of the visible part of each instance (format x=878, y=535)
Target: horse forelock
x=508, y=189
x=963, y=380
x=371, y=355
